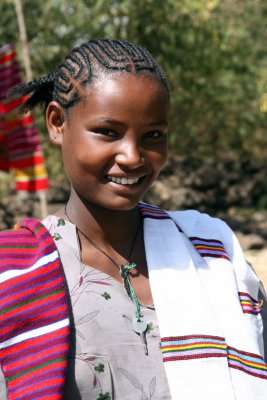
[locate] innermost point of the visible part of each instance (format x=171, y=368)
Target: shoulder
x=188, y=220
x=193, y=219
x=196, y=224
x=27, y=241
x=192, y=223
x=30, y=229
x=52, y=222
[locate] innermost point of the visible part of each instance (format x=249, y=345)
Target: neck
x=104, y=225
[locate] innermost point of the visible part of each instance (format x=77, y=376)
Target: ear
x=55, y=122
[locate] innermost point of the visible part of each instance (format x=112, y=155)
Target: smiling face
x=114, y=141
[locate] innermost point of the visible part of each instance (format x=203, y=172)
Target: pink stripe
x=194, y=353
x=9, y=70
x=9, y=82
x=25, y=148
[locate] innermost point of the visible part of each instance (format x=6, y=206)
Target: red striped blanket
x=34, y=313
x=20, y=146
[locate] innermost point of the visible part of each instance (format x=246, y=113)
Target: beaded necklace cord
x=139, y=325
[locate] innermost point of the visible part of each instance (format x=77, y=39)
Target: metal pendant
x=139, y=325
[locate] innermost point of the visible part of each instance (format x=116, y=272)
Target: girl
x=162, y=305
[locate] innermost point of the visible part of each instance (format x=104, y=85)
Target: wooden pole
x=29, y=77
x=24, y=40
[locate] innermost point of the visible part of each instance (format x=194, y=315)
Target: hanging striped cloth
x=20, y=147
x=34, y=313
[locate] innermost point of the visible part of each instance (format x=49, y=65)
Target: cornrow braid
x=42, y=89
x=84, y=65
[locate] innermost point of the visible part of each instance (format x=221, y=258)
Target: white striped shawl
x=206, y=299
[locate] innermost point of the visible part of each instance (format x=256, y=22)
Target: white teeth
x=123, y=181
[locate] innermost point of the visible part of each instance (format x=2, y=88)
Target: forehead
x=126, y=78
x=125, y=91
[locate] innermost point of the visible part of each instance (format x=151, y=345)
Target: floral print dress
x=107, y=358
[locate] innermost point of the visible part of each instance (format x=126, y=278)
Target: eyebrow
x=116, y=122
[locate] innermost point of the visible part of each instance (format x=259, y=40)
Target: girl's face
x=114, y=142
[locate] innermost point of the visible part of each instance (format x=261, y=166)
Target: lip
x=125, y=181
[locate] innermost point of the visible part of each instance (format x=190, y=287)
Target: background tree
x=214, y=53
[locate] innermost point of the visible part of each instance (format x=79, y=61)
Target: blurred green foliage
x=214, y=52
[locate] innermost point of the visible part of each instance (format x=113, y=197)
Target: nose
x=130, y=155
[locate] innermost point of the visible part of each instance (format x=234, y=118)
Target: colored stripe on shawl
x=209, y=247
x=248, y=304
x=34, y=313
x=148, y=211
x=203, y=346
x=192, y=347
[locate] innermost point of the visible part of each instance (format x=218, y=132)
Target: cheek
x=82, y=163
x=159, y=158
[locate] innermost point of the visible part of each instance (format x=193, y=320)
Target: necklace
x=138, y=323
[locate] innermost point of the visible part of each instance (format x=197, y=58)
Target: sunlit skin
x=117, y=131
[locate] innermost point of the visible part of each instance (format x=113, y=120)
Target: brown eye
x=105, y=132
x=154, y=134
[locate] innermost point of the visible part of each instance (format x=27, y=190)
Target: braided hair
x=82, y=66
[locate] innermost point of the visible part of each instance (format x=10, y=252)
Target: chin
x=122, y=204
